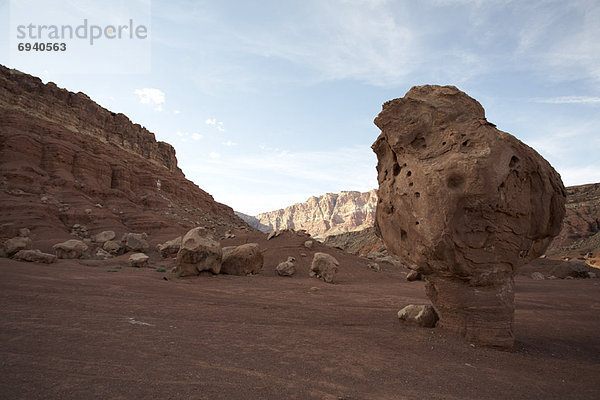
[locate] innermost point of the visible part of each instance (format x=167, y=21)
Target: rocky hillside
x=329, y=214
x=65, y=161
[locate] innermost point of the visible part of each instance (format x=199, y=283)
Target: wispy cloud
x=568, y=100
x=229, y=143
x=152, y=96
x=215, y=124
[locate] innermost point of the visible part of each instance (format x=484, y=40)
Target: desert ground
x=82, y=329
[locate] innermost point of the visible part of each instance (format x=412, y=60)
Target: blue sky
x=270, y=102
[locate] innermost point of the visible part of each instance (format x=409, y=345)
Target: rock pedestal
x=464, y=204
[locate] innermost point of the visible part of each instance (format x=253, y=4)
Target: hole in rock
x=397, y=169
x=443, y=143
x=465, y=143
x=417, y=195
x=409, y=173
x=417, y=223
x=410, y=184
x=514, y=160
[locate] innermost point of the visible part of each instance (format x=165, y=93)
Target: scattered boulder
x=373, y=266
x=199, y=252
x=324, y=266
x=112, y=247
x=286, y=268
x=34, y=256
x=138, y=260
x=102, y=254
x=413, y=276
x=104, y=237
x=273, y=235
x=465, y=204
x=169, y=248
x=421, y=315
x=229, y=235
x=72, y=248
x=537, y=276
x=135, y=242
x=242, y=260
x=308, y=244
x=592, y=275
x=16, y=244
x=79, y=231
x=24, y=232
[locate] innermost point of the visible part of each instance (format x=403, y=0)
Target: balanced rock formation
x=242, y=260
x=199, y=252
x=465, y=203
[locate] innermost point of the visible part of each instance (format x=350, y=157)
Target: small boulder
x=273, y=235
x=12, y=246
x=112, y=247
x=34, y=256
x=169, y=248
x=229, y=235
x=199, y=252
x=324, y=266
x=537, y=276
x=373, y=266
x=413, y=276
x=104, y=237
x=72, y=248
x=421, y=315
x=286, y=268
x=308, y=244
x=242, y=260
x=24, y=232
x=135, y=242
x=138, y=260
x=102, y=254
x=79, y=231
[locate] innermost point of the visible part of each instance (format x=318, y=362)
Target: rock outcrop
x=138, y=260
x=242, y=260
x=199, y=252
x=65, y=161
x=35, y=256
x=465, y=203
x=320, y=216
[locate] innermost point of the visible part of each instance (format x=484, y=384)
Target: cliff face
x=65, y=160
x=340, y=217
x=324, y=215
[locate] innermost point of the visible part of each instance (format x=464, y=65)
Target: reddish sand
x=73, y=330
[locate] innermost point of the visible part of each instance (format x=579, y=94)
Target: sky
x=270, y=102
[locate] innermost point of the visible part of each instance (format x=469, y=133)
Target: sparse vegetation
x=112, y=270
x=162, y=268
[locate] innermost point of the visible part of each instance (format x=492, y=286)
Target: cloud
x=581, y=175
x=215, y=124
x=229, y=143
x=568, y=100
x=197, y=136
x=176, y=112
x=214, y=155
x=152, y=96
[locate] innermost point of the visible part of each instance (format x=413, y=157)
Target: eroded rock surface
x=324, y=266
x=464, y=203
